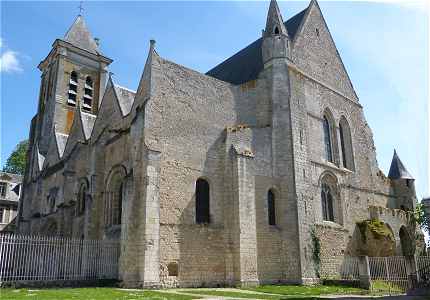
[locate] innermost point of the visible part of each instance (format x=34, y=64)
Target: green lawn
x=306, y=290
x=379, y=286
x=269, y=292
x=232, y=294
x=86, y=294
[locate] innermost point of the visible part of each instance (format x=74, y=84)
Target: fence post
x=1, y=258
x=388, y=274
x=364, y=272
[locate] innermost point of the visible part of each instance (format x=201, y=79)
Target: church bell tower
x=74, y=75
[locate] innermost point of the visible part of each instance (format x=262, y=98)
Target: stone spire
x=397, y=169
x=274, y=24
x=79, y=36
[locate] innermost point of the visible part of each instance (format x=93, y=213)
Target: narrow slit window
x=327, y=139
x=82, y=199
x=271, y=207
x=202, y=202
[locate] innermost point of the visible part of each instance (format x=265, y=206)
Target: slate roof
x=125, y=98
x=79, y=36
x=397, y=169
x=246, y=64
x=10, y=176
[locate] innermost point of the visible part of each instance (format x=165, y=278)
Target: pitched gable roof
x=397, y=169
x=116, y=103
x=56, y=148
x=79, y=36
x=61, y=140
x=10, y=176
x=125, y=98
x=88, y=121
x=246, y=64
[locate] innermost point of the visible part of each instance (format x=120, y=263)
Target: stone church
x=211, y=179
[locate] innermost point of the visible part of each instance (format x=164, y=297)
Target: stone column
x=245, y=235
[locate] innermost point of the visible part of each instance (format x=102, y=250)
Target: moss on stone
x=378, y=228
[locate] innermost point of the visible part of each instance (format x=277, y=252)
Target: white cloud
x=9, y=61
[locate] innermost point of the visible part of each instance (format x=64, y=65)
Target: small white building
x=10, y=190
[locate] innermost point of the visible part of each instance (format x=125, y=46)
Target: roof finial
x=81, y=8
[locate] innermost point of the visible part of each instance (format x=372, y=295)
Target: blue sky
x=384, y=47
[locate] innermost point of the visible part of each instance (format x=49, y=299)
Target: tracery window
x=327, y=202
x=202, y=201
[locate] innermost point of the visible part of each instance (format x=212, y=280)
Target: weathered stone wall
x=319, y=83
x=244, y=140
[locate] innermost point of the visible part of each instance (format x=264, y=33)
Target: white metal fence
x=393, y=274
x=340, y=268
x=389, y=274
x=423, y=268
x=37, y=258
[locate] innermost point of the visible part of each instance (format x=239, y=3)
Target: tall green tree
x=16, y=162
x=422, y=218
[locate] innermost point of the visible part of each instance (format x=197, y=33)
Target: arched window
x=346, y=144
x=82, y=195
x=327, y=139
x=271, y=207
x=52, y=199
x=73, y=89
x=88, y=94
x=276, y=30
x=202, y=201
x=327, y=202
x=114, y=198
